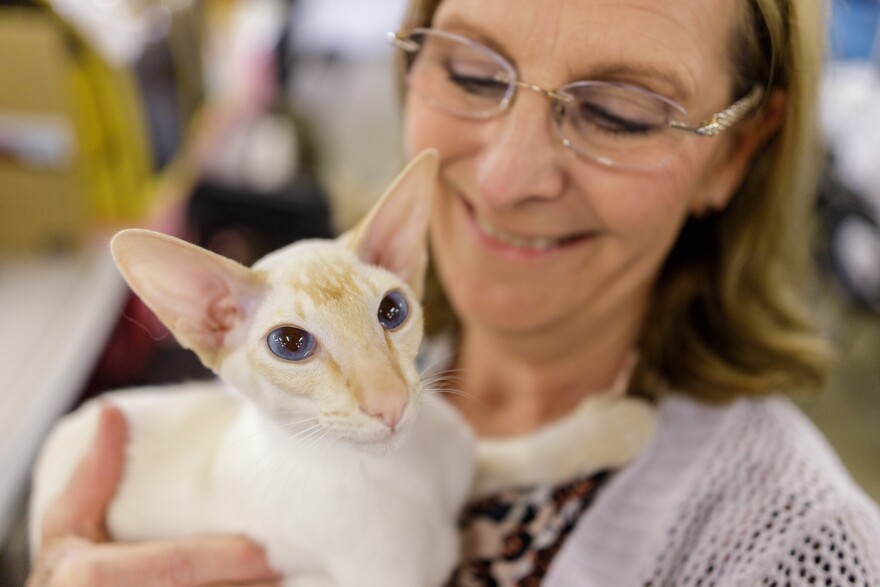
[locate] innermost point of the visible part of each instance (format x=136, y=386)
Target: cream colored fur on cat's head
x=361, y=383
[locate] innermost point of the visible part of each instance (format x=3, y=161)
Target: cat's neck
x=255, y=437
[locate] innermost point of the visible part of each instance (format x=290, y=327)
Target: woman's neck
x=511, y=385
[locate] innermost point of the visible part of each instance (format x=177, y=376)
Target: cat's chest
x=312, y=463
x=217, y=465
x=317, y=497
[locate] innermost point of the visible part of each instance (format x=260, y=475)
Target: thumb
x=81, y=508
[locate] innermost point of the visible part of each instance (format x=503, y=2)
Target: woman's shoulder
x=748, y=437
x=733, y=495
x=758, y=449
x=769, y=500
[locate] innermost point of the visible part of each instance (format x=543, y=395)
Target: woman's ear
x=724, y=175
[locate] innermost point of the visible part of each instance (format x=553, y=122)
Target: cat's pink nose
x=387, y=409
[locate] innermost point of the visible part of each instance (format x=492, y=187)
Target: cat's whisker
x=266, y=461
x=288, y=412
x=440, y=379
x=293, y=461
x=302, y=479
x=444, y=376
x=304, y=441
x=313, y=431
x=302, y=449
x=441, y=384
x=290, y=461
x=429, y=368
x=454, y=370
x=293, y=424
x=443, y=373
x=458, y=393
x=269, y=429
x=241, y=439
x=318, y=443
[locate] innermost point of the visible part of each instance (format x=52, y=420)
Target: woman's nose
x=520, y=158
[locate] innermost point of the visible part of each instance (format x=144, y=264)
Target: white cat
x=310, y=442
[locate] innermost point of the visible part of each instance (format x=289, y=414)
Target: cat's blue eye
x=291, y=344
x=393, y=310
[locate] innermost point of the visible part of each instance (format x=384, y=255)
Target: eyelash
x=475, y=85
x=622, y=125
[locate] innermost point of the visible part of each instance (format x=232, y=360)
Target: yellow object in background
x=74, y=148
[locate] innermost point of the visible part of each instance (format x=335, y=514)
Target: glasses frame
x=712, y=126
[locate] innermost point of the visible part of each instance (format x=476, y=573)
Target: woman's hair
x=730, y=313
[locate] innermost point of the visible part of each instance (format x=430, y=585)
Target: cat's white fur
x=321, y=461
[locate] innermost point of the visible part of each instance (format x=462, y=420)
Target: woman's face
x=507, y=183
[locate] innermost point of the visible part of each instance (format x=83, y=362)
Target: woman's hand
x=76, y=552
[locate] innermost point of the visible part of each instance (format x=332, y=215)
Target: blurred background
x=243, y=125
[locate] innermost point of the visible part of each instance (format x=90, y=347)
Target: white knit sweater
x=744, y=495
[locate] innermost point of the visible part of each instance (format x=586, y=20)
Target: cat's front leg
x=165, y=491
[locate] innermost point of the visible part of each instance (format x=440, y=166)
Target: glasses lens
x=618, y=124
x=459, y=76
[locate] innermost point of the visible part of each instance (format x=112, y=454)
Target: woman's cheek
x=638, y=210
x=657, y=202
x=418, y=133
x=425, y=127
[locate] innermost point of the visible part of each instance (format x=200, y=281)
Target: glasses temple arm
x=727, y=117
x=401, y=42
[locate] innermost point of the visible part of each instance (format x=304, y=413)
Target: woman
x=590, y=241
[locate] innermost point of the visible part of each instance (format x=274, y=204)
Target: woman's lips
x=523, y=245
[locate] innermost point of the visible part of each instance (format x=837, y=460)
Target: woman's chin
x=507, y=314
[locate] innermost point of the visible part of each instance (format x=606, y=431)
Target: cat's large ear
x=203, y=298
x=394, y=233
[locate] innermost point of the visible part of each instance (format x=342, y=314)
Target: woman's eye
x=393, y=310
x=609, y=121
x=474, y=82
x=477, y=85
x=291, y=344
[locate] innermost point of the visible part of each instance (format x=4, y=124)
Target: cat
x=309, y=441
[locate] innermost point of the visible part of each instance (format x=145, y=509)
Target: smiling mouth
x=524, y=243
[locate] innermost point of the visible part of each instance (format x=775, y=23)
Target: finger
x=81, y=508
x=44, y=565
x=190, y=562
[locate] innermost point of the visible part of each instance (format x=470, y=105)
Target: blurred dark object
x=850, y=245
x=259, y=191
x=245, y=225
x=169, y=76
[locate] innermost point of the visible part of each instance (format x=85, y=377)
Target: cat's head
x=321, y=332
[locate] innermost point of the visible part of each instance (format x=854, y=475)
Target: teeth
x=536, y=243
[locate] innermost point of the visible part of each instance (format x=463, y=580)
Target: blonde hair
x=730, y=316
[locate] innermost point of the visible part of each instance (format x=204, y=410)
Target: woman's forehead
x=677, y=46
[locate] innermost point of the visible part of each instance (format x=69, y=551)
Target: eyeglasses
x=615, y=124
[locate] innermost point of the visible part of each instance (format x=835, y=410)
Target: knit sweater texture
x=744, y=495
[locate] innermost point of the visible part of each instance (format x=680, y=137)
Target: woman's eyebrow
x=673, y=84
x=455, y=24
x=677, y=90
